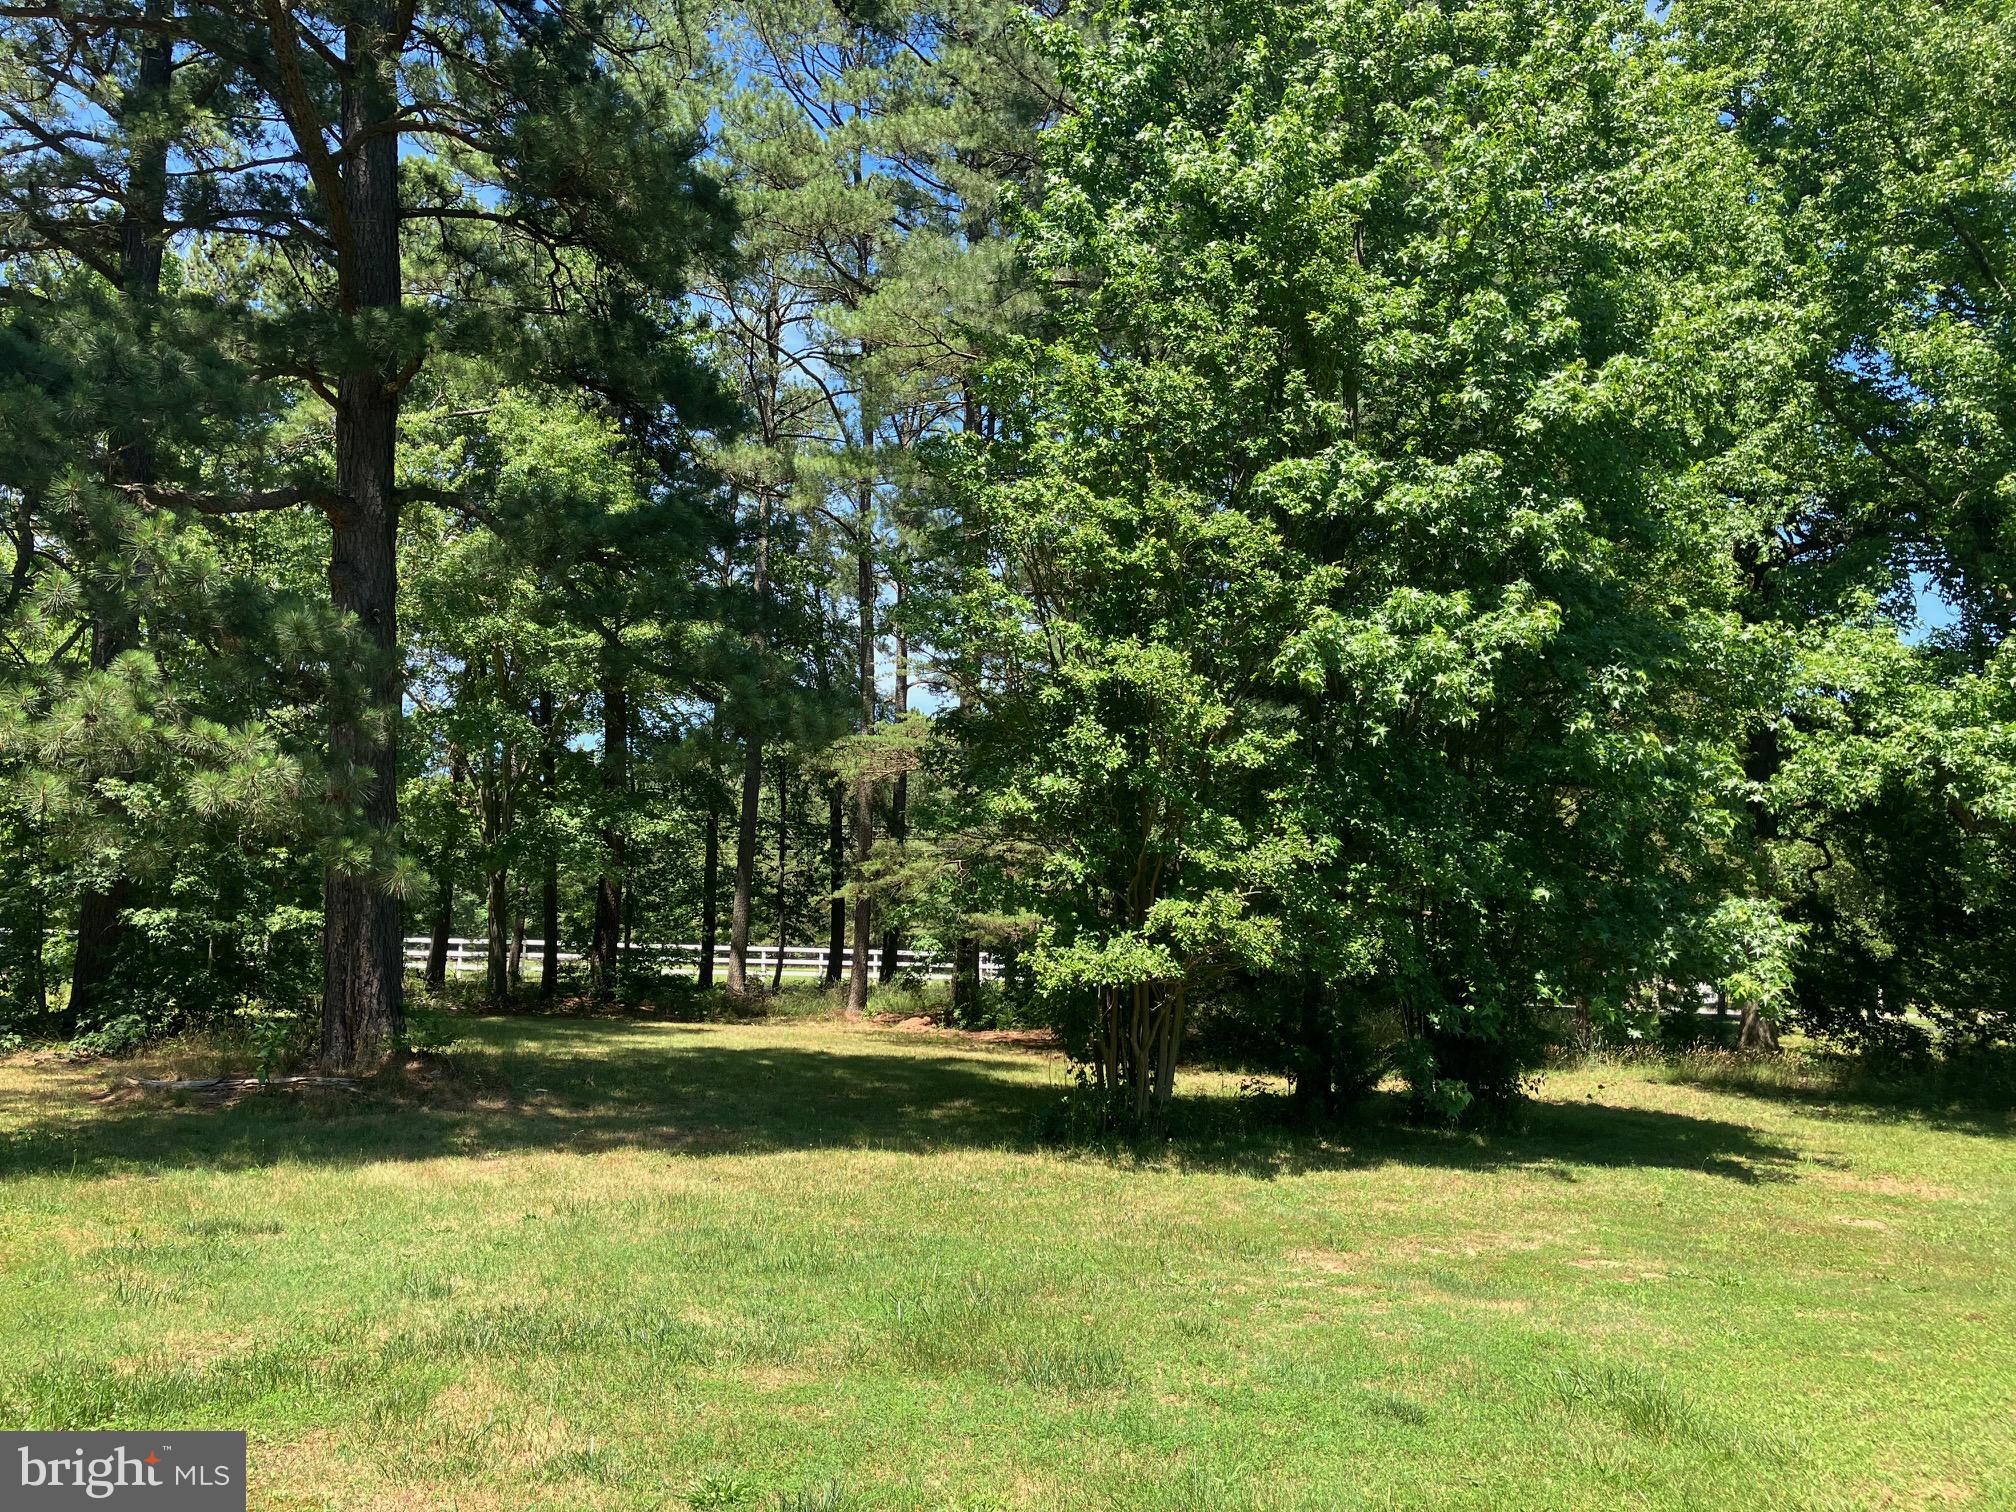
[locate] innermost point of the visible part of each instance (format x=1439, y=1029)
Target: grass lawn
x=615, y=1264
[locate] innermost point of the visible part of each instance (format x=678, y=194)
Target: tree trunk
x=745, y=864
x=102, y=933
x=604, y=948
x=752, y=790
x=710, y=886
x=444, y=891
x=549, y=893
x=437, y=944
x=518, y=949
x=783, y=880
x=497, y=936
x=864, y=785
x=1757, y=1032
x=965, y=1008
x=836, y=872
x=362, y=952
x=1316, y=1064
x=899, y=800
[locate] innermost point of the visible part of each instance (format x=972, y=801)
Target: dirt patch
x=1887, y=1186
x=1038, y=1040
x=1331, y=1261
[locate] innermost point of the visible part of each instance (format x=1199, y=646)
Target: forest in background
x=1388, y=533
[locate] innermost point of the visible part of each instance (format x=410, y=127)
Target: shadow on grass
x=586, y=1085
x=1965, y=1096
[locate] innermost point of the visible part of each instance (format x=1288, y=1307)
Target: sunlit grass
x=609, y=1264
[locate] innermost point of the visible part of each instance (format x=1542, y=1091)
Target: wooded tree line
x=1390, y=532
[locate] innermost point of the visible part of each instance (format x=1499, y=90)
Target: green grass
x=610, y=1264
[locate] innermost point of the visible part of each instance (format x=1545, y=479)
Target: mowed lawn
x=616, y=1264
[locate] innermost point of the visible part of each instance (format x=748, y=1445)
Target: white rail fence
x=800, y=961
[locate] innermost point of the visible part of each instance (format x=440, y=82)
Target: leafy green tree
x=1365, y=608
x=1881, y=149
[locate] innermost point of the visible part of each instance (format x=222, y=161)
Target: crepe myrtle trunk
x=1140, y=1036
x=102, y=931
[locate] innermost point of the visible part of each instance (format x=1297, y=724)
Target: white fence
x=800, y=961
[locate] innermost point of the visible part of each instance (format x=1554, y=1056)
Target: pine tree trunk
x=102, y=933
x=362, y=955
x=864, y=785
x=783, y=877
x=752, y=790
x=710, y=888
x=745, y=865
x=549, y=892
x=604, y=948
x=836, y=871
x=899, y=800
x=444, y=892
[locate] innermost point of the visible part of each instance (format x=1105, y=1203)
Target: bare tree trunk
x=965, y=1006
x=864, y=785
x=604, y=948
x=1316, y=1066
x=745, y=864
x=497, y=936
x=710, y=885
x=362, y=954
x=899, y=802
x=437, y=943
x=783, y=880
x=518, y=950
x=549, y=893
x=752, y=791
x=836, y=868
x=1757, y=1032
x=102, y=933
x=444, y=892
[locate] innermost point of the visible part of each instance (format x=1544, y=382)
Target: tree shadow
x=588, y=1085
x=1965, y=1097
x=1557, y=1140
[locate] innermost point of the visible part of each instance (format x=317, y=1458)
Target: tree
x=1352, y=603
x=542, y=141
x=1881, y=150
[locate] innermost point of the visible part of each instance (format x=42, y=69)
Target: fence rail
x=800, y=961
